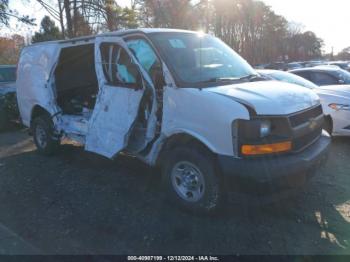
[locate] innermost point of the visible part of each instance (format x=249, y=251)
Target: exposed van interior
x=76, y=87
x=76, y=81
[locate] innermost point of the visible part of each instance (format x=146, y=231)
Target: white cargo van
x=177, y=99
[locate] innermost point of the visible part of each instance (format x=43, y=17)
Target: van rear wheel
x=44, y=137
x=190, y=179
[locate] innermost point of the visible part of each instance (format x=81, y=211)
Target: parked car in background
x=324, y=75
x=281, y=66
x=277, y=66
x=327, y=67
x=314, y=63
x=335, y=100
x=342, y=64
x=293, y=65
x=180, y=100
x=260, y=66
x=8, y=101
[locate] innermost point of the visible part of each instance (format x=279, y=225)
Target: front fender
x=204, y=115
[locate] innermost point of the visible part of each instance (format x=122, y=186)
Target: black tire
x=48, y=143
x=328, y=125
x=211, y=196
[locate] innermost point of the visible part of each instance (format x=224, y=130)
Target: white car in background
x=335, y=100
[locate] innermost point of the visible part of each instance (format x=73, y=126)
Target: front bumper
x=277, y=168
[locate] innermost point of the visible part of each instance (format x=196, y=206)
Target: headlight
x=338, y=107
x=259, y=136
x=265, y=128
x=255, y=128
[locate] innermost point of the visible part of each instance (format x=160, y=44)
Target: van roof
x=116, y=33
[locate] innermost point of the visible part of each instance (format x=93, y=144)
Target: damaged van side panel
x=34, y=70
x=115, y=112
x=109, y=128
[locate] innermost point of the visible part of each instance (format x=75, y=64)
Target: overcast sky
x=328, y=19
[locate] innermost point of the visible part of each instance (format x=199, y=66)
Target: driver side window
x=147, y=58
x=117, y=65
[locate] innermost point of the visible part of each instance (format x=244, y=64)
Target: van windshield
x=200, y=60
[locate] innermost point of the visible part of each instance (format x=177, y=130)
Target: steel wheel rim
x=41, y=136
x=188, y=181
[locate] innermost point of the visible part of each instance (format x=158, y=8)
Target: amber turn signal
x=266, y=149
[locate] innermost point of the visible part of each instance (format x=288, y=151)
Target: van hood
x=270, y=97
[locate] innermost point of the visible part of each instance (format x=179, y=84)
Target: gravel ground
x=79, y=203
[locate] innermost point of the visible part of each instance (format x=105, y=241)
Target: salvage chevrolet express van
x=177, y=99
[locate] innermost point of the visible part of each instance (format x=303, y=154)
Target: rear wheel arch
x=36, y=112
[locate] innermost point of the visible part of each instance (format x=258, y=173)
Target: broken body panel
x=115, y=111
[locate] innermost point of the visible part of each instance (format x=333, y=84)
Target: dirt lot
x=78, y=203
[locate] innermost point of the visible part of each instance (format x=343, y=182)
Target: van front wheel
x=190, y=179
x=44, y=139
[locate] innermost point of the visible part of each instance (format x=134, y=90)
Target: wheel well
x=38, y=111
x=181, y=139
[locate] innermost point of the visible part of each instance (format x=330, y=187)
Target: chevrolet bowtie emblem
x=312, y=123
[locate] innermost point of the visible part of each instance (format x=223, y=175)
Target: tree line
x=250, y=27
